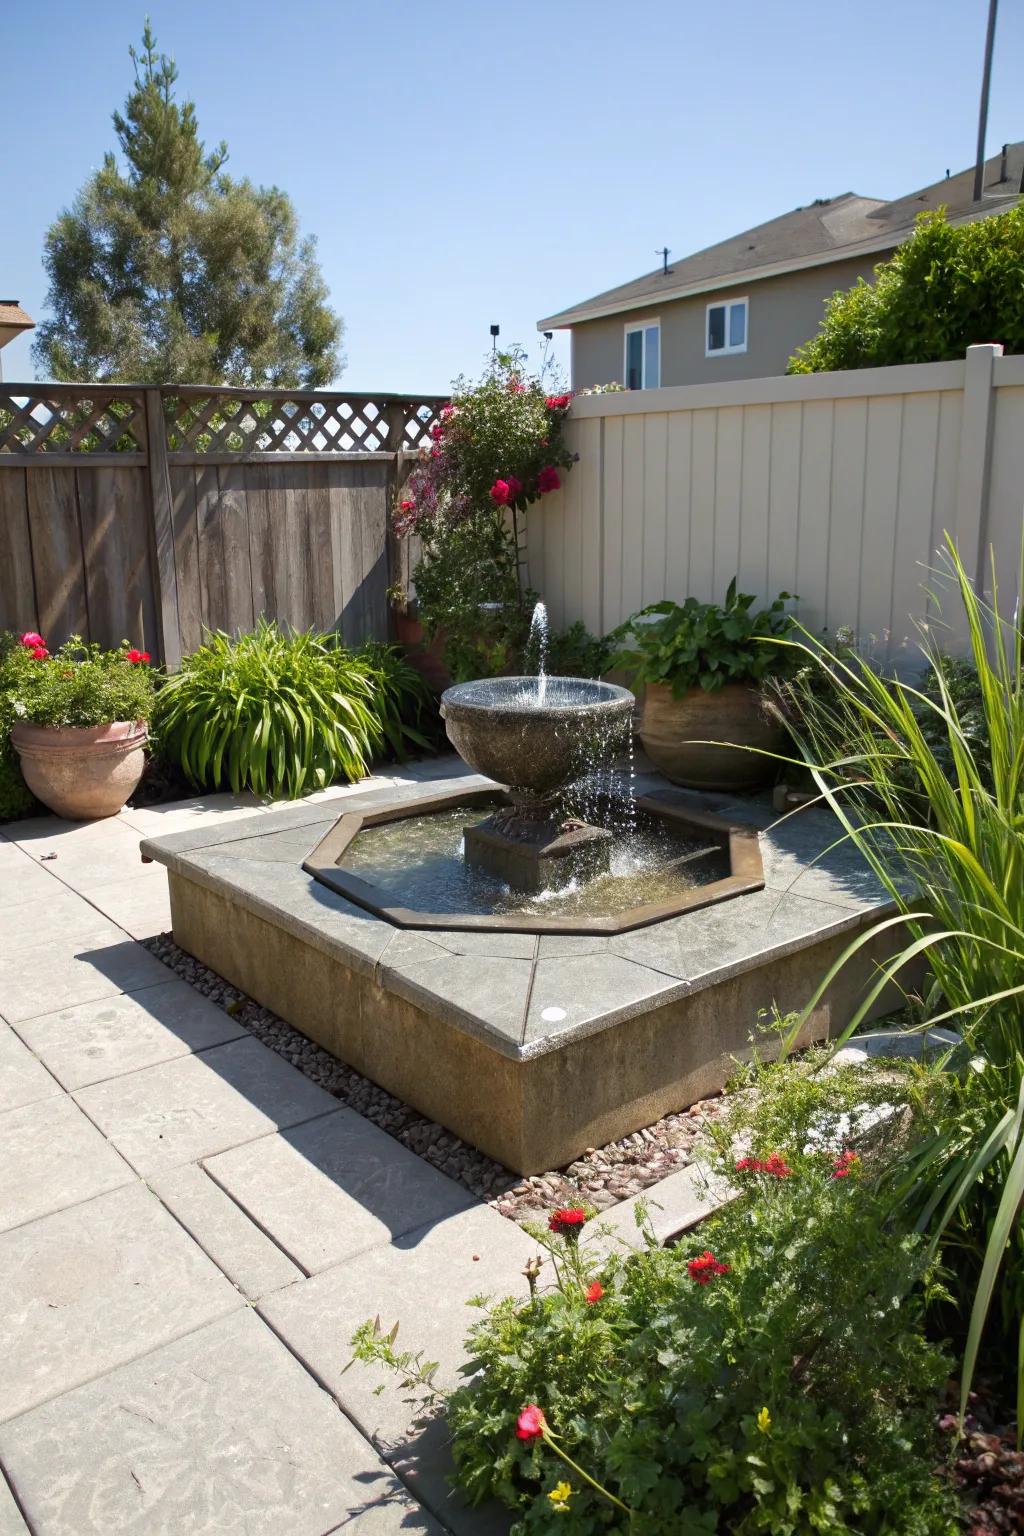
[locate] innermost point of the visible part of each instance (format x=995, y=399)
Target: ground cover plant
x=944, y=832
x=284, y=713
x=947, y=287
x=769, y=1373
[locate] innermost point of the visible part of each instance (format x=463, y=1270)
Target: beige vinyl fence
x=837, y=487
x=151, y=514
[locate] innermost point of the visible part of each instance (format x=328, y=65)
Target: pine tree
x=172, y=272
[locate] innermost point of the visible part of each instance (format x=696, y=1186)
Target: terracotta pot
x=426, y=658
x=82, y=773
x=674, y=733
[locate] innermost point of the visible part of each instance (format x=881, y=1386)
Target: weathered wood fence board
x=151, y=515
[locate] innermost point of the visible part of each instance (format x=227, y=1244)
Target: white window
x=643, y=356
x=726, y=328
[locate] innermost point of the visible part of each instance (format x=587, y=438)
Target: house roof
x=13, y=317
x=831, y=229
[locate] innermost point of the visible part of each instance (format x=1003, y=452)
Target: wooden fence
x=837, y=487
x=151, y=514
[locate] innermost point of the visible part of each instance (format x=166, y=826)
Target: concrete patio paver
x=51, y=1156
x=141, y=905
x=219, y=1434
x=23, y=1078
x=94, y=1286
x=81, y=969
x=41, y=905
x=327, y=1190
x=11, y=1523
x=93, y=1041
x=249, y=1258
x=195, y=1106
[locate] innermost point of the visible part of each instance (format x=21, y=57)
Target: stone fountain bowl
x=500, y=727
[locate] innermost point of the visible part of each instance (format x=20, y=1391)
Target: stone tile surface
x=235, y=1244
x=91, y=1287
x=141, y=906
x=85, y=861
x=85, y=967
x=52, y=1157
x=327, y=1190
x=23, y=1078
x=218, y=1434
x=573, y=992
x=93, y=1041
x=11, y=1523
x=195, y=1106
x=23, y=881
x=486, y=996
x=30, y=898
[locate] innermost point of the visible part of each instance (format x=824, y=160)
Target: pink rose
x=500, y=493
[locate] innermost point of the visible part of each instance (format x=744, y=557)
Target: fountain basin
x=536, y=735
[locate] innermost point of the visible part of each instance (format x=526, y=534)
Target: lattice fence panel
x=51, y=422
x=239, y=423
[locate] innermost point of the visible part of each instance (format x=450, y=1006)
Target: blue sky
x=474, y=161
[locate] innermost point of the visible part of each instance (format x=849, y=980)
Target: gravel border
x=602, y=1177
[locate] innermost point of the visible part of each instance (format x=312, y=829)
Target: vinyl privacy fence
x=836, y=487
x=151, y=514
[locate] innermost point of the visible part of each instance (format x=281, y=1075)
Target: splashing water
x=538, y=640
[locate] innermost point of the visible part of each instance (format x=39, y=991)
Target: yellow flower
x=560, y=1495
x=764, y=1421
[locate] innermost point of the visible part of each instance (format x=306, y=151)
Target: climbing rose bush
x=767, y=1374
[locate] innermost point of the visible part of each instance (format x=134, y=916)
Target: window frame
x=643, y=326
x=728, y=305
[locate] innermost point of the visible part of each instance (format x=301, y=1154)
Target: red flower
x=773, y=1165
x=593, y=1293
x=516, y=387
x=704, y=1268
x=39, y=653
x=558, y=402
x=407, y=505
x=748, y=1165
x=845, y=1164
x=31, y=639
x=515, y=487
x=436, y=431
x=531, y=1423
x=568, y=1220
x=500, y=493
x=548, y=479
x=136, y=657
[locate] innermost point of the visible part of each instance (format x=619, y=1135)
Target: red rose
x=137, y=658
x=436, y=431
x=568, y=1220
x=500, y=492
x=531, y=1423
x=31, y=639
x=558, y=402
x=548, y=479
x=515, y=487
x=594, y=1293
x=407, y=505
x=704, y=1268
x=39, y=653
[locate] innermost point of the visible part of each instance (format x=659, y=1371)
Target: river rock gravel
x=601, y=1178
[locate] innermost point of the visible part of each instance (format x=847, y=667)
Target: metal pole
x=979, y=164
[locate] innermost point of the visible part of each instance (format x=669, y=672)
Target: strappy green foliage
x=285, y=713
x=944, y=832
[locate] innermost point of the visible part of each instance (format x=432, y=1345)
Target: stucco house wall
x=783, y=313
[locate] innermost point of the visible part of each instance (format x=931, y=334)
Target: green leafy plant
x=16, y=799
x=768, y=1374
x=78, y=685
x=278, y=713
x=575, y=652
x=703, y=645
x=405, y=708
x=945, y=288
x=944, y=833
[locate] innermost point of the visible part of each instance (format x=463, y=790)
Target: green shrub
x=944, y=289
x=284, y=714
x=703, y=645
x=405, y=708
x=769, y=1374
x=575, y=652
x=79, y=685
x=944, y=832
x=16, y=799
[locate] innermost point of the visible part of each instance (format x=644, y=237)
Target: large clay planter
x=675, y=733
x=82, y=773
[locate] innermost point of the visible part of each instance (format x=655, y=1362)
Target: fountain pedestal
x=533, y=855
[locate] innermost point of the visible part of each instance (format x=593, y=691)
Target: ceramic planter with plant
x=80, y=723
x=703, y=666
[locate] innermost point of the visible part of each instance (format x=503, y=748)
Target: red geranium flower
x=845, y=1164
x=39, y=653
x=748, y=1165
x=773, y=1165
x=704, y=1268
x=548, y=479
x=568, y=1220
x=531, y=1423
x=594, y=1293
x=32, y=640
x=500, y=492
x=137, y=658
